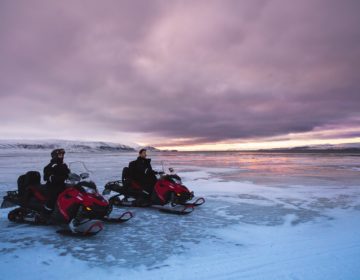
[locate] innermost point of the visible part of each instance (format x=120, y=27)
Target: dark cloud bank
x=204, y=71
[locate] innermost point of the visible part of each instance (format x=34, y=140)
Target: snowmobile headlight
x=88, y=208
x=178, y=194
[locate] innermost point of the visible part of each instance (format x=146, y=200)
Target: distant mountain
x=150, y=148
x=70, y=146
x=326, y=148
x=138, y=147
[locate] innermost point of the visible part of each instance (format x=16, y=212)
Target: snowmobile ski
x=123, y=218
x=178, y=209
x=197, y=202
x=86, y=227
x=167, y=208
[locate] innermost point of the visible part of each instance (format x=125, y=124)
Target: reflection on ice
x=152, y=237
x=257, y=208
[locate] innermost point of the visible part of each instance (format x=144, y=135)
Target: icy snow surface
x=267, y=216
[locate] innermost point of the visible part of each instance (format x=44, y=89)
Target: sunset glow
x=213, y=75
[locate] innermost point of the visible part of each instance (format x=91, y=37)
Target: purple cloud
x=206, y=72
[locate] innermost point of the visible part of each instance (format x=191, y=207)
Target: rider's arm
x=48, y=172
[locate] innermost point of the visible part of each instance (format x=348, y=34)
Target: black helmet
x=56, y=152
x=141, y=151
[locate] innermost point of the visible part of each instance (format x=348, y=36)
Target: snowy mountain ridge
x=68, y=145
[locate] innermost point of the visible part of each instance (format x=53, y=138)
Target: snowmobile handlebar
x=75, y=178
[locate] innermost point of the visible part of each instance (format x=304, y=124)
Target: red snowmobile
x=79, y=208
x=169, y=194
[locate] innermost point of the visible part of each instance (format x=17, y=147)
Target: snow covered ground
x=266, y=217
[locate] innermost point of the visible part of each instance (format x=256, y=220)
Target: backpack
x=29, y=178
x=126, y=176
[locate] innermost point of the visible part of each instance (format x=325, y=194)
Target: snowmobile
x=169, y=194
x=79, y=209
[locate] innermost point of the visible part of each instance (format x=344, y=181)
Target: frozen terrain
x=267, y=216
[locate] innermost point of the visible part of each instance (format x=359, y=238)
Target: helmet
x=56, y=152
x=142, y=150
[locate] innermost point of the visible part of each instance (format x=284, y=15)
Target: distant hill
x=150, y=148
x=327, y=148
x=70, y=146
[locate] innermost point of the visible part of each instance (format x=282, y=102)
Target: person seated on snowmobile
x=55, y=174
x=142, y=173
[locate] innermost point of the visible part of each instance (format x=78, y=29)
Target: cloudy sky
x=189, y=74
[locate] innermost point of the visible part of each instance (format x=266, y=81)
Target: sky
x=188, y=75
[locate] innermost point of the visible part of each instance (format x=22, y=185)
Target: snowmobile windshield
x=90, y=190
x=167, y=168
x=79, y=172
x=88, y=186
x=176, y=179
x=78, y=167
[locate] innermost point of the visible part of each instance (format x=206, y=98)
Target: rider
x=142, y=172
x=55, y=174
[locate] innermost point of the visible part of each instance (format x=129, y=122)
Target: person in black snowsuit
x=142, y=172
x=55, y=174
